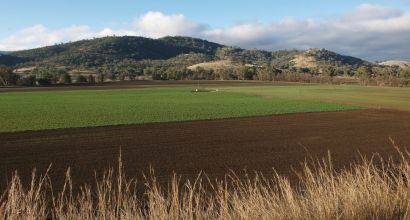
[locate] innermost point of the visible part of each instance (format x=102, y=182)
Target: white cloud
x=369, y=12
x=39, y=35
x=157, y=24
x=370, y=31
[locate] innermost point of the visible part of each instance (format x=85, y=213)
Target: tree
x=46, y=75
x=149, y=71
x=100, y=78
x=364, y=72
x=28, y=80
x=405, y=73
x=121, y=76
x=267, y=73
x=329, y=71
x=91, y=79
x=225, y=73
x=81, y=79
x=7, y=76
x=111, y=76
x=198, y=72
x=304, y=70
x=249, y=72
x=44, y=79
x=155, y=73
x=130, y=72
x=339, y=71
x=156, y=76
x=65, y=78
x=106, y=71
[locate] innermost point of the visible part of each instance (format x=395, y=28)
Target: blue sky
x=17, y=14
x=33, y=23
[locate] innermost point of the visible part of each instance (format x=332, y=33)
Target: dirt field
x=214, y=146
x=141, y=84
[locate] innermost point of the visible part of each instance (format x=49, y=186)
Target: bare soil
x=212, y=146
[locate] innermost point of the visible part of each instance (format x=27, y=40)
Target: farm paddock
x=212, y=146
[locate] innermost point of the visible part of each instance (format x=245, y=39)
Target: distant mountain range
x=180, y=51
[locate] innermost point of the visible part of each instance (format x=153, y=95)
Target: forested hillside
x=121, y=58
x=113, y=50
x=110, y=50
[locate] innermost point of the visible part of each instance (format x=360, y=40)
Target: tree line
x=50, y=75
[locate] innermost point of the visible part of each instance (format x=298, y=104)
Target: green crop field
x=374, y=97
x=21, y=111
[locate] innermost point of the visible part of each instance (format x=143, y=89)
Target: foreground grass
x=363, y=191
x=50, y=110
x=375, y=97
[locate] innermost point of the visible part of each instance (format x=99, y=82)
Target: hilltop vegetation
x=11, y=60
x=322, y=57
x=111, y=50
x=180, y=58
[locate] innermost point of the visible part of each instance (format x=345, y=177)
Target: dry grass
x=302, y=60
x=220, y=64
x=401, y=64
x=372, y=189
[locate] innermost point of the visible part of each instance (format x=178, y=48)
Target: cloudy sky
x=373, y=30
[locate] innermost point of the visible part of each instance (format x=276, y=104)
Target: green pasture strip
x=375, y=97
x=50, y=110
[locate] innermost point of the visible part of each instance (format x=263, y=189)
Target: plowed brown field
x=213, y=146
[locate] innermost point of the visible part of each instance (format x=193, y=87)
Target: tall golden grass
x=370, y=189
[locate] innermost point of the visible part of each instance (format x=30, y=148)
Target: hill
x=401, y=64
x=11, y=60
x=318, y=57
x=312, y=58
x=107, y=50
x=130, y=54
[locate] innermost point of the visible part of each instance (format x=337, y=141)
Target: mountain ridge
x=93, y=53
